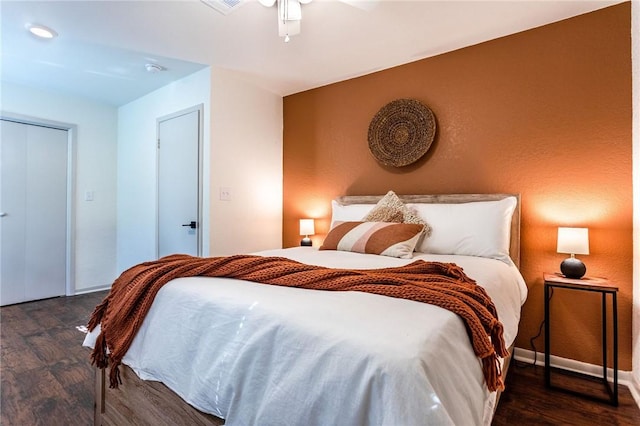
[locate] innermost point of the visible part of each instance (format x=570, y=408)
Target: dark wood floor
x=526, y=401
x=46, y=378
x=45, y=373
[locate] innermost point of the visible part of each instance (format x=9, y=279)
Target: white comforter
x=258, y=354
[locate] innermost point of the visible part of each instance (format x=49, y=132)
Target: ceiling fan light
x=289, y=10
x=288, y=28
x=267, y=3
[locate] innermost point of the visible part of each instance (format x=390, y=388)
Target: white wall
x=242, y=151
x=137, y=164
x=95, y=221
x=246, y=158
x=116, y=159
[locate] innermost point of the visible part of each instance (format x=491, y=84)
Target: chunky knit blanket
x=445, y=285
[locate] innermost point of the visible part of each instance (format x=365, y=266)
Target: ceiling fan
x=289, y=11
x=289, y=16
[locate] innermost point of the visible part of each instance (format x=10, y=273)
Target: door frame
x=200, y=109
x=72, y=132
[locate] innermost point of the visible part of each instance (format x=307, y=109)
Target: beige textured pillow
x=390, y=208
x=385, y=214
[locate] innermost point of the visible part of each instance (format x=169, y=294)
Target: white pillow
x=481, y=228
x=348, y=213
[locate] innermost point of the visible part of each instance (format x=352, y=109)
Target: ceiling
x=103, y=46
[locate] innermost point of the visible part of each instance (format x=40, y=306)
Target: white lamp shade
x=573, y=240
x=307, y=227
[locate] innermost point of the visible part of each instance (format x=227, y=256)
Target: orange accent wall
x=545, y=113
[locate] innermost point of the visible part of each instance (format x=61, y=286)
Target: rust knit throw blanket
x=445, y=285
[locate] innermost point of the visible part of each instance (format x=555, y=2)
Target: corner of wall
x=246, y=160
x=635, y=60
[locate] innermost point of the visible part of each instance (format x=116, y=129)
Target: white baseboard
x=634, y=388
x=624, y=377
x=92, y=289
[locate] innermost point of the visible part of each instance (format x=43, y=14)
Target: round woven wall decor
x=401, y=132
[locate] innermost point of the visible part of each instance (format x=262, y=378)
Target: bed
x=248, y=353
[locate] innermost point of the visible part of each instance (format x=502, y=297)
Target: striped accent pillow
x=384, y=238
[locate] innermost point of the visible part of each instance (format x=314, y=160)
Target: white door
x=179, y=183
x=33, y=206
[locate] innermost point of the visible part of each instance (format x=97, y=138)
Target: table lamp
x=306, y=229
x=573, y=241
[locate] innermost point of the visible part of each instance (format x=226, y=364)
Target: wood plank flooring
x=526, y=401
x=45, y=373
x=46, y=378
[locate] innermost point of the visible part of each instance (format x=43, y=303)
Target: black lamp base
x=573, y=268
x=306, y=242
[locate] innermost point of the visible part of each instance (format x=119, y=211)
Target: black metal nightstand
x=599, y=285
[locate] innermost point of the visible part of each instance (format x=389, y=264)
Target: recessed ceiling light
x=41, y=31
x=153, y=68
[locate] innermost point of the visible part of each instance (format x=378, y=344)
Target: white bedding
x=258, y=354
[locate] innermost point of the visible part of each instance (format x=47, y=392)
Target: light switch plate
x=225, y=194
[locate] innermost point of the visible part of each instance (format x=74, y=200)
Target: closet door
x=33, y=206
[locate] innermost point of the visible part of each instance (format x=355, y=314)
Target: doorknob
x=2, y=214
x=192, y=224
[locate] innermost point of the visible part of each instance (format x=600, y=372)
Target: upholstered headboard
x=514, y=246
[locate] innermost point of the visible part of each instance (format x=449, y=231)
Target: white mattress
x=257, y=354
